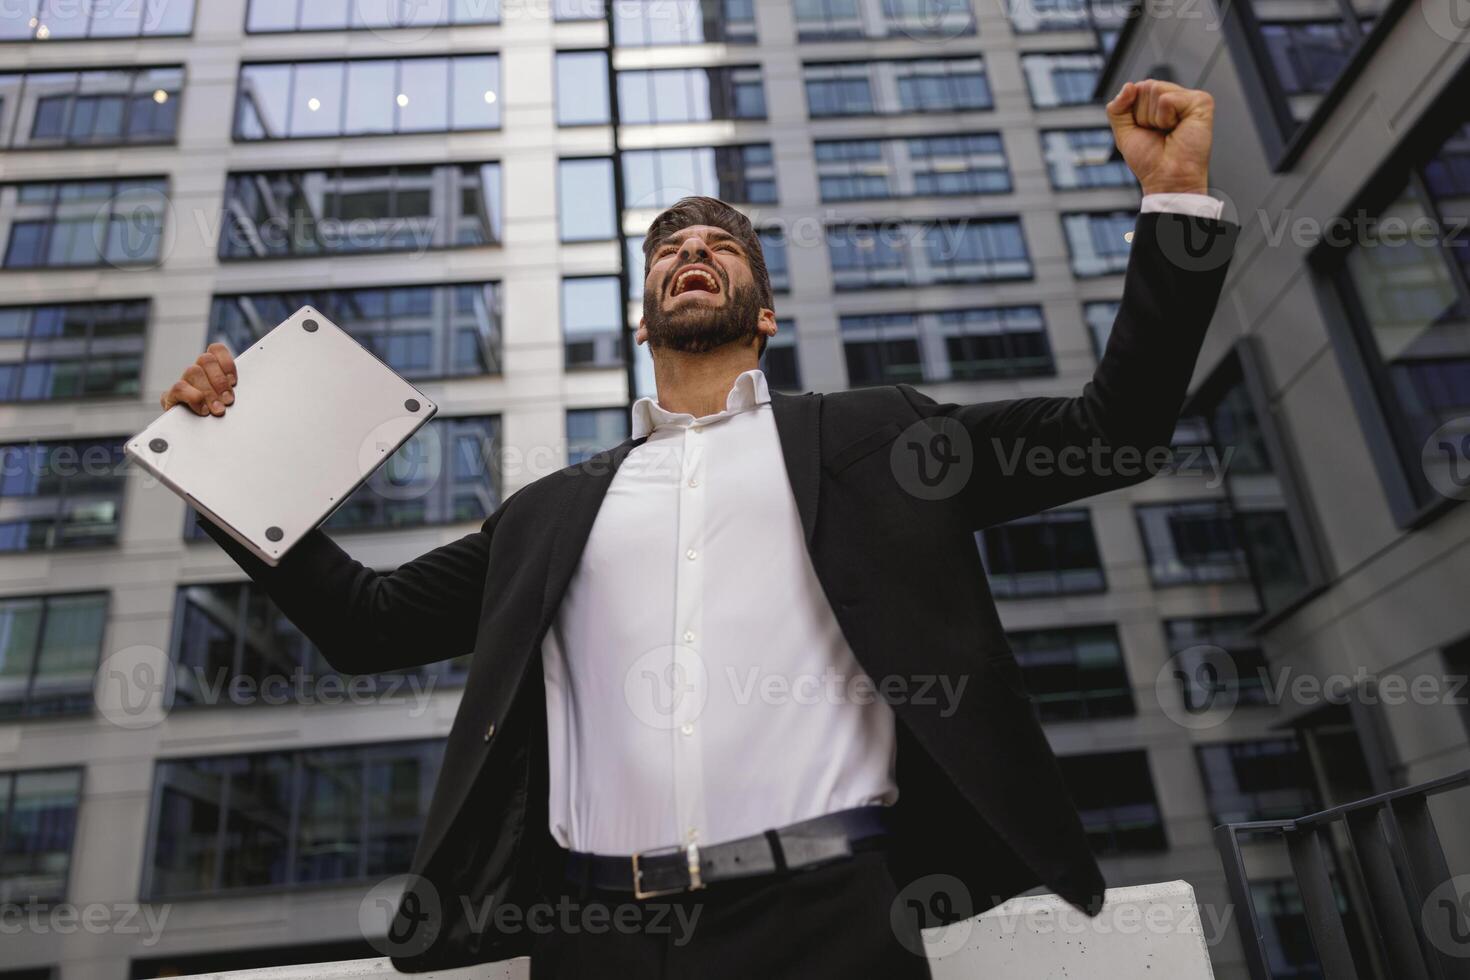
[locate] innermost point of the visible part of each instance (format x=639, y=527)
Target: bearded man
x=624, y=791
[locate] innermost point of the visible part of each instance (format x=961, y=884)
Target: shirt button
x=693, y=482
x=687, y=728
x=688, y=636
x=691, y=554
x=489, y=731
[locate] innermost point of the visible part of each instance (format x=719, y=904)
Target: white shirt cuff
x=1196, y=205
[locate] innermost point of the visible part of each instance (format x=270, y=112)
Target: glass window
x=581, y=88
x=1099, y=243
x=286, y=819
x=577, y=9
x=838, y=20
x=1104, y=17
x=1083, y=158
x=295, y=213
x=233, y=646
x=585, y=201
x=644, y=23
x=1269, y=779
x=1054, y=553
x=1192, y=542
x=1275, y=544
x=84, y=223
x=1099, y=316
x=1114, y=794
x=658, y=178
x=38, y=823
x=59, y=109
x=778, y=265
x=896, y=87
x=591, y=430
x=49, y=649
x=421, y=332
x=367, y=95
x=1407, y=297
x=55, y=20
x=946, y=345
x=1196, y=644
x=592, y=321
x=675, y=95
x=1061, y=79
x=72, y=350
x=61, y=494
x=967, y=163
x=275, y=16
x=901, y=253
x=779, y=362
x=1075, y=672
x=1300, y=48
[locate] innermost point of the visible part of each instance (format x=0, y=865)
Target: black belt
x=667, y=870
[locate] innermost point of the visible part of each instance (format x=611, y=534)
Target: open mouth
x=695, y=279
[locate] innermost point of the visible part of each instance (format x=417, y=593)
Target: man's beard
x=699, y=329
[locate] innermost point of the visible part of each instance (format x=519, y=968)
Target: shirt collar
x=748, y=391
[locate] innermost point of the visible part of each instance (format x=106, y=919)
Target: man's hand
x=207, y=385
x=1164, y=132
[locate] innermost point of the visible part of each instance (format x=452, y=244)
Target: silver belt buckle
x=691, y=854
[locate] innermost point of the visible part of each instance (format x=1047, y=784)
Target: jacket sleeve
x=1031, y=454
x=364, y=621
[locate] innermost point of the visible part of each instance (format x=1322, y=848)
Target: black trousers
x=834, y=921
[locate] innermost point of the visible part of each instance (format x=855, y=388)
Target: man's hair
x=712, y=211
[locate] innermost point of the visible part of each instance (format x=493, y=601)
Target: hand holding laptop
x=208, y=385
x=321, y=413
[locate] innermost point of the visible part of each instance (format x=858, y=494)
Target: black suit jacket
x=981, y=797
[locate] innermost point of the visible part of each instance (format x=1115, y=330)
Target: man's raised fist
x=1164, y=132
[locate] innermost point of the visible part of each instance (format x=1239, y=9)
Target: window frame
x=8, y=141
x=193, y=20
x=339, y=173
x=1412, y=503
x=397, y=60
x=350, y=28
x=1284, y=139
x=87, y=357
x=148, y=885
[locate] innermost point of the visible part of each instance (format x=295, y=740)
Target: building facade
x=465, y=186
x=1344, y=153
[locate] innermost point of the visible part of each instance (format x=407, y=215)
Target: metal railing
x=1415, y=920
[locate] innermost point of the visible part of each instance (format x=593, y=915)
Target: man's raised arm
x=1031, y=454
x=361, y=620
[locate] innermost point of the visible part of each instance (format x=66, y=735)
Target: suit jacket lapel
x=586, y=487
x=798, y=424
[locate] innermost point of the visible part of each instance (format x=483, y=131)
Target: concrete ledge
x=1145, y=930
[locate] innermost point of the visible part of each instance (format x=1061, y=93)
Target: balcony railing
x=1414, y=914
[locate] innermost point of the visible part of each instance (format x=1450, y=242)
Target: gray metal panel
x=314, y=415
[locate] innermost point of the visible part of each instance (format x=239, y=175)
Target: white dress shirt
x=698, y=687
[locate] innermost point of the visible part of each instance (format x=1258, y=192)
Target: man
x=638, y=731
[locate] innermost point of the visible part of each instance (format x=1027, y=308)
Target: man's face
x=699, y=293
